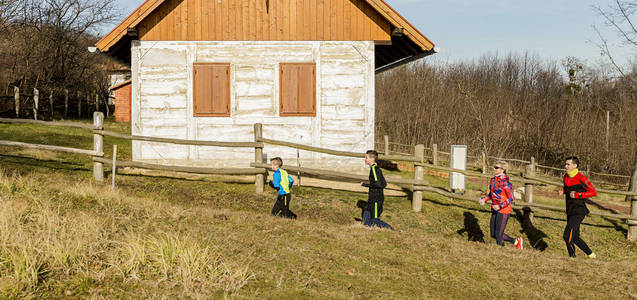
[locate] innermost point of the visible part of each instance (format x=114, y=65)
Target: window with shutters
x=297, y=89
x=211, y=89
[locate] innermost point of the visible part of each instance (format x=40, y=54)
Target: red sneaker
x=519, y=243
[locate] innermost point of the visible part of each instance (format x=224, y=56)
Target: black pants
x=571, y=235
x=375, y=206
x=281, y=207
x=497, y=225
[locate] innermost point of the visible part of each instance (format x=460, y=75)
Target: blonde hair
x=503, y=164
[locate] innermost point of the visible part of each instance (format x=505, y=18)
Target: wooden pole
x=51, y=103
x=607, y=131
x=36, y=100
x=484, y=163
x=434, y=149
x=108, y=109
x=528, y=190
x=98, y=146
x=419, y=172
x=298, y=164
x=79, y=104
x=259, y=179
x=97, y=102
x=632, y=225
x=16, y=98
x=66, y=103
x=114, y=170
x=386, y=141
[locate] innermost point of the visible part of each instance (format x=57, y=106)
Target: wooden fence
x=483, y=160
x=259, y=169
x=39, y=104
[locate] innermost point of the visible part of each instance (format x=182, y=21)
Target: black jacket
x=376, y=183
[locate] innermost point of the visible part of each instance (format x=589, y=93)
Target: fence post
x=386, y=141
x=259, y=180
x=434, y=150
x=51, y=103
x=98, y=146
x=114, y=167
x=66, y=102
x=36, y=99
x=419, y=172
x=16, y=98
x=632, y=225
x=97, y=102
x=528, y=190
x=484, y=163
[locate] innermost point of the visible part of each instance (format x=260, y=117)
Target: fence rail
x=178, y=141
x=51, y=148
x=49, y=123
x=259, y=169
x=183, y=169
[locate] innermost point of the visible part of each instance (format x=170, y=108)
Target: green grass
x=62, y=235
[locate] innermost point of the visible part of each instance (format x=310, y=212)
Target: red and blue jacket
x=500, y=194
x=583, y=189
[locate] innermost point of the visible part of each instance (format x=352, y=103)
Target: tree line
x=514, y=106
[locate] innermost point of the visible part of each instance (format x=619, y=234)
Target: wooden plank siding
x=239, y=20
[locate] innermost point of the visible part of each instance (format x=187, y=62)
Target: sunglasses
x=496, y=167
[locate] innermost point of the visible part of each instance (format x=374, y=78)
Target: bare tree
x=44, y=44
x=8, y=10
x=620, y=18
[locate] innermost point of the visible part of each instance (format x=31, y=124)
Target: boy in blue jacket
x=282, y=182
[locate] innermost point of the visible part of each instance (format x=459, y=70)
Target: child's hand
x=495, y=207
x=561, y=192
x=482, y=200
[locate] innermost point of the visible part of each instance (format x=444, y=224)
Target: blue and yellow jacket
x=281, y=181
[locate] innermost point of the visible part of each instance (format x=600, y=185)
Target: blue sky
x=467, y=29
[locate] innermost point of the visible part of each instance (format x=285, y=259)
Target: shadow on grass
x=472, y=228
x=45, y=163
x=534, y=236
x=616, y=224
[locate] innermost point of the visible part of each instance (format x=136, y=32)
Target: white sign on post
x=458, y=161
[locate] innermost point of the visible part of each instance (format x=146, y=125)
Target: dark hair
x=372, y=153
x=278, y=161
x=574, y=159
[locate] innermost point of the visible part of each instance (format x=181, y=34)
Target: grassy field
x=62, y=235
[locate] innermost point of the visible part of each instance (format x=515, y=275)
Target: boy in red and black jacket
x=577, y=190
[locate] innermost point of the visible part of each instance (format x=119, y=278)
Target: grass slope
x=61, y=235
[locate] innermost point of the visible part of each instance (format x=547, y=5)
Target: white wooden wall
x=163, y=106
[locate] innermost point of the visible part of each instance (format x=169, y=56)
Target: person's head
x=571, y=163
x=276, y=163
x=370, y=157
x=500, y=167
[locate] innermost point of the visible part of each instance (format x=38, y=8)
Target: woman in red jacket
x=577, y=189
x=501, y=197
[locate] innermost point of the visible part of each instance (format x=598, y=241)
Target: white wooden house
x=210, y=69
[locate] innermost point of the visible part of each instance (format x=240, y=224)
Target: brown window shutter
x=297, y=89
x=211, y=89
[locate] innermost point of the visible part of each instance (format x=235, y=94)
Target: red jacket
x=583, y=189
x=501, y=194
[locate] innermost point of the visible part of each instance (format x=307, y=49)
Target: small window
x=211, y=89
x=297, y=89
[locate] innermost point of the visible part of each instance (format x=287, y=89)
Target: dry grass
x=62, y=235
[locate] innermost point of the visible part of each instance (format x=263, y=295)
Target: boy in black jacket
x=374, y=208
